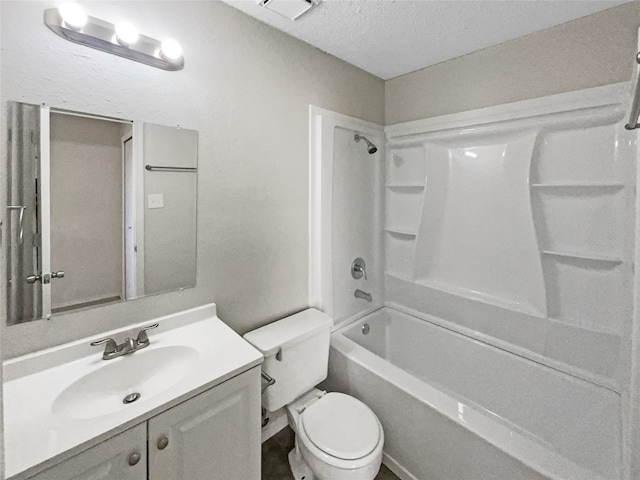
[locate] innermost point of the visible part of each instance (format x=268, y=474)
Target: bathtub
x=456, y=408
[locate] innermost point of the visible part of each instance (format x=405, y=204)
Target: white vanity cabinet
x=214, y=435
x=123, y=457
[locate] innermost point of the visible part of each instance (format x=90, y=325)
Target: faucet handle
x=110, y=348
x=143, y=338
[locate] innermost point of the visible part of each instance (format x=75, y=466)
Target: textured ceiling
x=392, y=37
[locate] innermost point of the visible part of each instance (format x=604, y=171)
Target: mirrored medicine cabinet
x=99, y=210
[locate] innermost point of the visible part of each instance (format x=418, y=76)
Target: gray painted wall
x=588, y=52
x=252, y=123
x=246, y=88
x=170, y=231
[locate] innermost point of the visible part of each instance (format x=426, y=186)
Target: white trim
x=137, y=153
x=397, y=469
x=322, y=123
x=580, y=99
x=60, y=111
x=278, y=421
x=129, y=220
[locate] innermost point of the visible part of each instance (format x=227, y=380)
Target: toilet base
x=299, y=468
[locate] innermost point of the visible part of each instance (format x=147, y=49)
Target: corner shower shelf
x=402, y=231
x=568, y=321
x=418, y=186
x=567, y=185
x=481, y=297
x=580, y=256
x=401, y=275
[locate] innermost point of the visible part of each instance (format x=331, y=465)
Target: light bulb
x=73, y=15
x=170, y=49
x=126, y=34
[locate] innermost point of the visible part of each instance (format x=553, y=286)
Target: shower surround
x=513, y=226
x=517, y=222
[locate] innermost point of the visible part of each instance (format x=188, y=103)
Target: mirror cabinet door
x=23, y=222
x=88, y=223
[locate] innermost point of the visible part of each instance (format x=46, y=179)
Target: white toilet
x=337, y=436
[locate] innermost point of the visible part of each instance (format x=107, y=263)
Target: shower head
x=371, y=148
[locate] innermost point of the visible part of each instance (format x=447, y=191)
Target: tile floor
x=275, y=465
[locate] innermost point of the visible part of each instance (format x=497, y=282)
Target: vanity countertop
x=63, y=400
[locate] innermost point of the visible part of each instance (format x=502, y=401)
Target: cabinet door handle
x=134, y=458
x=163, y=441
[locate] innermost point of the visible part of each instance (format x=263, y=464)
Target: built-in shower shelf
x=402, y=231
x=571, y=322
x=568, y=185
x=581, y=256
x=400, y=275
x=488, y=299
x=399, y=186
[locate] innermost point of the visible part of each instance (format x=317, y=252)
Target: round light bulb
x=126, y=34
x=170, y=49
x=73, y=15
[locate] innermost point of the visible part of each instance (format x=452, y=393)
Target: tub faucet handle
x=359, y=269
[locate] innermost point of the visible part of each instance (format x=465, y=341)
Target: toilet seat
x=341, y=427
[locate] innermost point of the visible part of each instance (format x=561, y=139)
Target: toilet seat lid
x=341, y=426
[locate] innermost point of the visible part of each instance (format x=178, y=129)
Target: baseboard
x=277, y=421
x=398, y=470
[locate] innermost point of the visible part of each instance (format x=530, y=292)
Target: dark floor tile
x=275, y=464
x=385, y=474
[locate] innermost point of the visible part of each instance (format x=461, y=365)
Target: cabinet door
x=213, y=436
x=110, y=460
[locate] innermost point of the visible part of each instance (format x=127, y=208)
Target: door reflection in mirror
x=24, y=300
x=91, y=210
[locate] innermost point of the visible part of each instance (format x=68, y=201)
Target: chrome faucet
x=363, y=295
x=113, y=350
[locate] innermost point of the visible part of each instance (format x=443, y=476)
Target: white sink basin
x=145, y=372
x=65, y=399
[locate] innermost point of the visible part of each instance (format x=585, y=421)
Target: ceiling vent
x=291, y=9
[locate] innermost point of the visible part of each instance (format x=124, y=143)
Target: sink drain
x=132, y=397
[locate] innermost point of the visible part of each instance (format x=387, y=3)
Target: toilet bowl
x=337, y=437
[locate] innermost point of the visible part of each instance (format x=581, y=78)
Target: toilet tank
x=296, y=355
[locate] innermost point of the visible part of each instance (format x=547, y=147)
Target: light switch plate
x=155, y=200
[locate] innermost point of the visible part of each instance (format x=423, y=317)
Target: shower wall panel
x=356, y=224
x=516, y=223
x=476, y=235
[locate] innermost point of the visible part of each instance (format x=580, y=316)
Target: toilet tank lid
x=288, y=331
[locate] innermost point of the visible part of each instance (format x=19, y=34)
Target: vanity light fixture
x=170, y=49
x=73, y=24
x=126, y=34
x=73, y=15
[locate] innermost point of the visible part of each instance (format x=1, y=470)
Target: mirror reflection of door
x=23, y=222
x=87, y=200
x=99, y=210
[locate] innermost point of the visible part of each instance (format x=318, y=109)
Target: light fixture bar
x=101, y=35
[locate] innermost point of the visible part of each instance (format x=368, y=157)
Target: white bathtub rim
x=584, y=375
x=508, y=440
x=443, y=324
x=354, y=318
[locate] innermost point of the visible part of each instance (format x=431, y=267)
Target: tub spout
x=363, y=295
